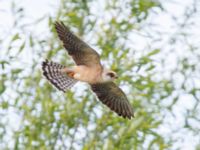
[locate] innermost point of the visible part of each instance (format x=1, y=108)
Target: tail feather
x=52, y=71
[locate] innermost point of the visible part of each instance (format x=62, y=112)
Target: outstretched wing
x=112, y=96
x=82, y=53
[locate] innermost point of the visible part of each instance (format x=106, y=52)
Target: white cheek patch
x=106, y=78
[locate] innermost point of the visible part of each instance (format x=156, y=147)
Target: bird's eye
x=112, y=75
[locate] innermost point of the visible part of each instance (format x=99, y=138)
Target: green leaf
x=156, y=51
x=31, y=42
x=4, y=105
x=3, y=63
x=16, y=71
x=15, y=37
x=2, y=87
x=22, y=47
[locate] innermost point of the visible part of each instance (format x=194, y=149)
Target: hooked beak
x=116, y=77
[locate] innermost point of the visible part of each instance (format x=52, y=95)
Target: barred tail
x=52, y=71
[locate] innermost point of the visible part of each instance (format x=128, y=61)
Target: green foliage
x=50, y=119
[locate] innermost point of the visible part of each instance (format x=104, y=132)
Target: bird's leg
x=69, y=71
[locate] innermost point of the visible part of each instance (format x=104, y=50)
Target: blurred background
x=153, y=45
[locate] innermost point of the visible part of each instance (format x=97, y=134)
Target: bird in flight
x=88, y=69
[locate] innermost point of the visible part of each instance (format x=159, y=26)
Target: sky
x=165, y=21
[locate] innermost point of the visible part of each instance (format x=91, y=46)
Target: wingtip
x=131, y=117
x=124, y=114
x=59, y=24
x=125, y=110
x=61, y=30
x=128, y=116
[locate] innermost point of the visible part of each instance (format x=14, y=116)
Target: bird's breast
x=87, y=74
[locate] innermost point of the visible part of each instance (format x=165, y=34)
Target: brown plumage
x=82, y=53
x=112, y=96
x=88, y=69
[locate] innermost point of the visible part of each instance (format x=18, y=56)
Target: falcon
x=88, y=69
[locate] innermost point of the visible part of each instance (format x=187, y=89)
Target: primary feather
x=112, y=96
x=81, y=52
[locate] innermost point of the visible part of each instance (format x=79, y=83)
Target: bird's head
x=109, y=75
